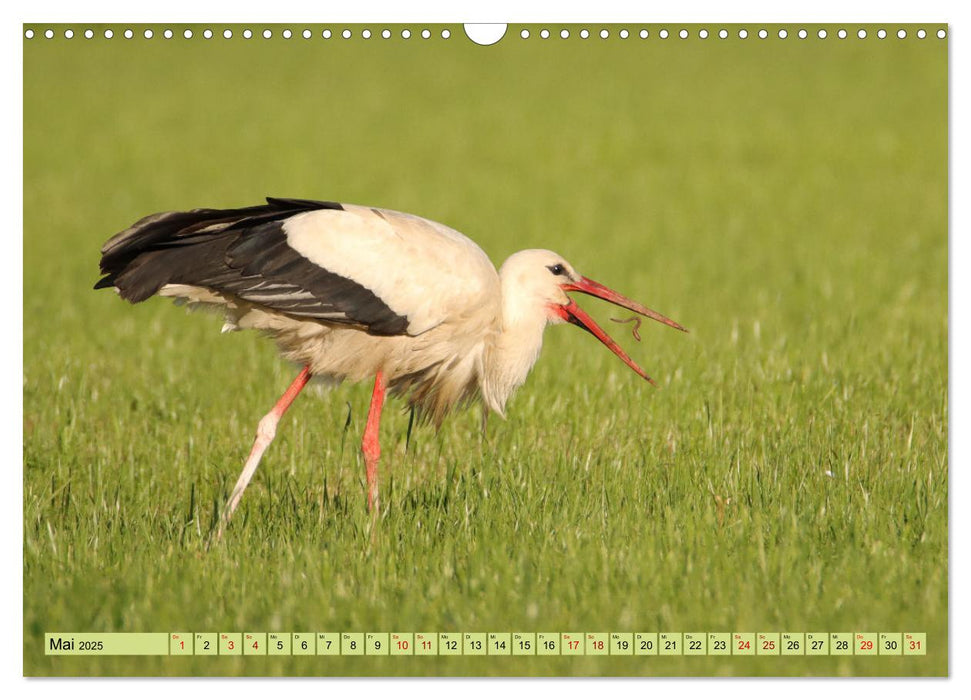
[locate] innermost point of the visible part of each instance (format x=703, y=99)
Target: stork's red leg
x=265, y=432
x=370, y=445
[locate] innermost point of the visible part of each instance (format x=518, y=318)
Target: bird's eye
x=557, y=269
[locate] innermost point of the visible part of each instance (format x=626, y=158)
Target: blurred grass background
x=785, y=200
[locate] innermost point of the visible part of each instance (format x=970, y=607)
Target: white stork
x=351, y=292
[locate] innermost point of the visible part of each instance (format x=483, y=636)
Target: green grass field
x=785, y=200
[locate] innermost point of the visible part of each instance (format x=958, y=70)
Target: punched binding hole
x=489, y=34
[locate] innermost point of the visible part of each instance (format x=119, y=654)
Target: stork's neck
x=515, y=349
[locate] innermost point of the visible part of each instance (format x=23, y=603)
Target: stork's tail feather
x=149, y=254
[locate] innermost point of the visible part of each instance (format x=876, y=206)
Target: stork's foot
x=373, y=501
x=372, y=454
x=265, y=432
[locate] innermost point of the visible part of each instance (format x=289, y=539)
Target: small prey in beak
x=572, y=313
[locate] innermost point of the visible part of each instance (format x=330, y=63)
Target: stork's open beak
x=574, y=314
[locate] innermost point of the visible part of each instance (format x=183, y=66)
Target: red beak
x=574, y=314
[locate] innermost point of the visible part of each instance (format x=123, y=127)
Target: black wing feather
x=244, y=253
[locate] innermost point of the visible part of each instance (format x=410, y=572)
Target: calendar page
x=584, y=349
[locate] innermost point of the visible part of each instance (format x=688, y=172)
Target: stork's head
x=537, y=281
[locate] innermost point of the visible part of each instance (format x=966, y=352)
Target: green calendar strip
x=251, y=644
